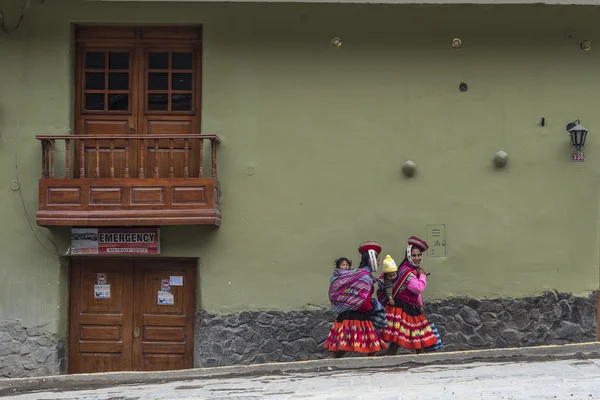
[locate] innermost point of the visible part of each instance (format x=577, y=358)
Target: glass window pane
x=94, y=102
x=94, y=81
x=118, y=60
x=118, y=81
x=158, y=102
x=182, y=81
x=182, y=61
x=181, y=102
x=118, y=102
x=95, y=60
x=158, y=81
x=158, y=61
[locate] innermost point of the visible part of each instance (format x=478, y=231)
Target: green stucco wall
x=314, y=139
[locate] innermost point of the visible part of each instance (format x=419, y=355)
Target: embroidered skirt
x=407, y=327
x=354, y=332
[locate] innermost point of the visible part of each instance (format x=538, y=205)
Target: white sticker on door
x=165, y=299
x=176, y=280
x=102, y=291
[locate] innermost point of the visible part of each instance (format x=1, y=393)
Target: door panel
x=130, y=330
x=100, y=328
x=170, y=90
x=166, y=331
x=106, y=105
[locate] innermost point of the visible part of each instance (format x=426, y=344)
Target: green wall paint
x=314, y=139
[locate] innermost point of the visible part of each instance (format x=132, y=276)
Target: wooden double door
x=137, y=81
x=118, y=320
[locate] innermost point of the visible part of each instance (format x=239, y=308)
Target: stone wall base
x=29, y=351
x=272, y=336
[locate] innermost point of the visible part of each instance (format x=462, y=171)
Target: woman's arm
x=417, y=284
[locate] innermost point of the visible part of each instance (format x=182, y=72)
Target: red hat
x=415, y=241
x=366, y=246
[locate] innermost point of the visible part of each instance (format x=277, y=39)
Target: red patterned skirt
x=407, y=327
x=354, y=332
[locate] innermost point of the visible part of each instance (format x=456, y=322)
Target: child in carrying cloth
x=390, y=273
x=343, y=263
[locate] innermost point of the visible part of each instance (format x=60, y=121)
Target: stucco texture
x=314, y=138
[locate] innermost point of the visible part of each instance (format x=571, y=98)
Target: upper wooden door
x=124, y=327
x=171, y=88
x=106, y=104
x=138, y=80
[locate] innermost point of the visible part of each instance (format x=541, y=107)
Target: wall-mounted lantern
x=578, y=135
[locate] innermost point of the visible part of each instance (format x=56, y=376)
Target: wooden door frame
x=70, y=305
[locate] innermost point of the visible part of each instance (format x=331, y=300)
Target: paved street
x=570, y=379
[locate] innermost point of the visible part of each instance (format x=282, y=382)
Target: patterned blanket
x=349, y=289
x=405, y=274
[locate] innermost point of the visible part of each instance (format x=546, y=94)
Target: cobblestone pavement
x=567, y=379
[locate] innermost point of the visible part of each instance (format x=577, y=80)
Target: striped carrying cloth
x=439, y=343
x=349, y=289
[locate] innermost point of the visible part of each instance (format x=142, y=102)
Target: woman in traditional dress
x=407, y=326
x=350, y=293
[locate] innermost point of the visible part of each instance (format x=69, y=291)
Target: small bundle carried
x=349, y=289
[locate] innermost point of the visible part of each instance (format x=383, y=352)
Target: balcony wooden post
x=97, y=158
x=186, y=171
x=112, y=158
x=126, y=158
x=67, y=158
x=213, y=145
x=171, y=158
x=44, y=161
x=156, y=158
x=142, y=158
x=52, y=143
x=201, y=172
x=82, y=159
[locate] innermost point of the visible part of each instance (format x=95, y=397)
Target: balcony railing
x=128, y=180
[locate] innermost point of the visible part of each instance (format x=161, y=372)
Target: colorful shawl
x=349, y=289
x=405, y=275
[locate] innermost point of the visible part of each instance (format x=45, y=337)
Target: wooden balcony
x=128, y=180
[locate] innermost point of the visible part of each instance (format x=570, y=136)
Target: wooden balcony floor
x=128, y=202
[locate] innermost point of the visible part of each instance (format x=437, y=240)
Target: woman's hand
x=391, y=301
x=421, y=309
x=421, y=271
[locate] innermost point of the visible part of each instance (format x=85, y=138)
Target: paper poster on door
x=102, y=291
x=176, y=280
x=165, y=299
x=165, y=285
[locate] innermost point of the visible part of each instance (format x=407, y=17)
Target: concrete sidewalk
x=95, y=381
x=547, y=380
